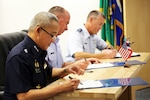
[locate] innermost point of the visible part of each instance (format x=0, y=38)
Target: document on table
x=100, y=65
x=114, y=64
x=114, y=82
x=134, y=54
x=90, y=84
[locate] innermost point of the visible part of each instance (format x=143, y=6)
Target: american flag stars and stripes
x=125, y=51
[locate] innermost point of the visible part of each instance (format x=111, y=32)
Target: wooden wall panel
x=137, y=23
x=137, y=26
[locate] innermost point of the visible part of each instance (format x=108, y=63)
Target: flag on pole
x=107, y=31
x=113, y=30
x=125, y=51
x=117, y=6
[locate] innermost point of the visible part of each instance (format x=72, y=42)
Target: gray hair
x=95, y=14
x=42, y=19
x=57, y=9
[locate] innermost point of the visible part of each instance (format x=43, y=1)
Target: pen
x=85, y=59
x=72, y=78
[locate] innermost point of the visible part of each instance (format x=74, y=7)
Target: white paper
x=132, y=55
x=100, y=65
x=90, y=84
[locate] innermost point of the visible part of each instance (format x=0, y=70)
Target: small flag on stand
x=125, y=51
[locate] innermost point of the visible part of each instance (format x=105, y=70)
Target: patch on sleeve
x=79, y=30
x=25, y=50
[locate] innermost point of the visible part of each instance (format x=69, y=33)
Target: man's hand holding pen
x=70, y=84
x=109, y=53
x=73, y=78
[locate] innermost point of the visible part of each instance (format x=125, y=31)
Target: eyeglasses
x=53, y=36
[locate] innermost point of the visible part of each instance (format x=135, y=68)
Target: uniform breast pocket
x=52, y=56
x=85, y=47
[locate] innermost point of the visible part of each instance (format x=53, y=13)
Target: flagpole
x=126, y=65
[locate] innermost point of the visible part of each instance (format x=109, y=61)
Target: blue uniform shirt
x=81, y=41
x=25, y=69
x=54, y=55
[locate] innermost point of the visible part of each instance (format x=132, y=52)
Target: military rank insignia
x=45, y=65
x=37, y=67
x=38, y=86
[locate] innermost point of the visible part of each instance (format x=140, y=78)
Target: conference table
x=109, y=93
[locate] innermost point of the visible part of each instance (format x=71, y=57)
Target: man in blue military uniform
x=83, y=42
x=54, y=55
x=27, y=72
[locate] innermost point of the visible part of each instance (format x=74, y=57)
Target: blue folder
x=114, y=82
x=123, y=82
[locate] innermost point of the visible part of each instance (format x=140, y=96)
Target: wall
x=136, y=21
x=16, y=14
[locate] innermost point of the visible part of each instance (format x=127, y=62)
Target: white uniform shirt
x=54, y=55
x=82, y=41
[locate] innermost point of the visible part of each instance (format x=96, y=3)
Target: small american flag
x=125, y=51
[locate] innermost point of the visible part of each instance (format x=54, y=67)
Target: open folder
x=88, y=84
x=114, y=64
